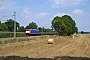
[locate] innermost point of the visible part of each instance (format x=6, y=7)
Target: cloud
x=7, y=5
x=60, y=14
x=78, y=12
x=2, y=5
x=64, y=3
x=56, y=6
x=40, y=15
x=26, y=10
x=11, y=6
x=27, y=14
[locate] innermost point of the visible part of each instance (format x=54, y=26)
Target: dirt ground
x=63, y=48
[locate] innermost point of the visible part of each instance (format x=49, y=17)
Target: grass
x=12, y=40
x=42, y=37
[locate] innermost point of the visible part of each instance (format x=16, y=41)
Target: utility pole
x=42, y=30
x=14, y=24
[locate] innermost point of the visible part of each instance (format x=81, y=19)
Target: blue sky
x=43, y=11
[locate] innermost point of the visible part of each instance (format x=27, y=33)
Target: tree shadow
x=55, y=58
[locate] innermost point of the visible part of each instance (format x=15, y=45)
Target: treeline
x=83, y=32
x=9, y=27
x=64, y=26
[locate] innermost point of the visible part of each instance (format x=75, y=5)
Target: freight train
x=32, y=32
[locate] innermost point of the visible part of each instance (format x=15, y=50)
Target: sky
x=42, y=12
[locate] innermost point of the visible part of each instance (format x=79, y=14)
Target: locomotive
x=32, y=32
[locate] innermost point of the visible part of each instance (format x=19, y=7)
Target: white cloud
x=56, y=6
x=40, y=15
x=2, y=5
x=27, y=14
x=7, y=5
x=60, y=14
x=26, y=10
x=59, y=3
x=78, y=12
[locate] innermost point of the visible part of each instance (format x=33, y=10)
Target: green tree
x=40, y=29
x=0, y=22
x=21, y=29
x=64, y=25
x=3, y=27
x=32, y=25
x=82, y=32
x=45, y=29
x=10, y=25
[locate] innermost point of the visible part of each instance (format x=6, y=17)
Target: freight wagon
x=32, y=32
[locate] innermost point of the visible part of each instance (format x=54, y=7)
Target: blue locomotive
x=32, y=32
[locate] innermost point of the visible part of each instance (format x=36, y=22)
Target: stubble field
x=63, y=48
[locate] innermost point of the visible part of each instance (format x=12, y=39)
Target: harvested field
x=63, y=48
